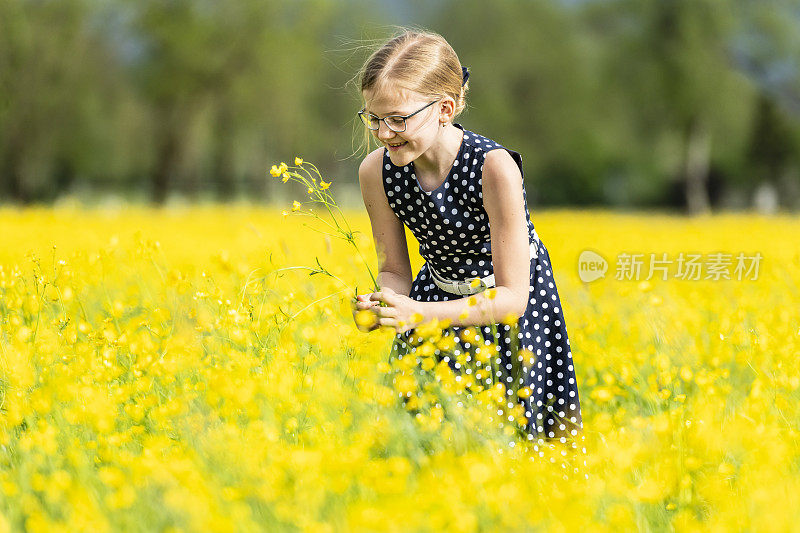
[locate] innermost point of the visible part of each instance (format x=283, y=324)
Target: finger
x=365, y=305
x=384, y=296
x=388, y=312
x=387, y=321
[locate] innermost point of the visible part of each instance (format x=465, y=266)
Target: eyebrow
x=387, y=114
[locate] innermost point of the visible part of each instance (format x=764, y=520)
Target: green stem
x=288, y=320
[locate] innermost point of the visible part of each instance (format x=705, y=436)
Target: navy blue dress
x=452, y=228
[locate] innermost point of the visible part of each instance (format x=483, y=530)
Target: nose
x=384, y=133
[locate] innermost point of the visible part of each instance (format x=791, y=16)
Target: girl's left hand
x=399, y=308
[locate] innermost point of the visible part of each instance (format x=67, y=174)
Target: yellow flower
x=417, y=317
x=482, y=355
x=510, y=319
x=275, y=171
x=283, y=167
x=426, y=350
x=524, y=392
x=310, y=190
x=285, y=213
x=298, y=161
x=296, y=206
x=446, y=343
x=526, y=355
x=366, y=318
x=474, y=283
x=324, y=185
x=285, y=178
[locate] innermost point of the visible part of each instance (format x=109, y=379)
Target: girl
x=462, y=196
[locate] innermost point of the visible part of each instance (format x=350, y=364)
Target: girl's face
x=421, y=129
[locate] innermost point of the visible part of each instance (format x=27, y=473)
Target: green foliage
x=611, y=102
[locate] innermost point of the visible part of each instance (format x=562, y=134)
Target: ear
x=447, y=108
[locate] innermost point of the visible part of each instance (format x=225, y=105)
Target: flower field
x=191, y=369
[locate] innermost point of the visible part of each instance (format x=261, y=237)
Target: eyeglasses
x=396, y=123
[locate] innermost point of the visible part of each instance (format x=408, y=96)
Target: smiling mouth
x=396, y=145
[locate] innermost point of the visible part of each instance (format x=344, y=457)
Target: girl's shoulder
x=371, y=166
x=482, y=145
x=477, y=141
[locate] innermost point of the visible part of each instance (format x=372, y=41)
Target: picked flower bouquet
x=318, y=190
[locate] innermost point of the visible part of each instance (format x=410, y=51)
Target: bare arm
x=388, y=232
x=503, y=201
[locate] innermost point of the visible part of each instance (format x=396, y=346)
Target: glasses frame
x=365, y=118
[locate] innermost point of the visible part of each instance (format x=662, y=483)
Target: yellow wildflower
x=285, y=178
x=426, y=350
x=285, y=213
x=298, y=161
x=446, y=343
x=366, y=318
x=526, y=355
x=310, y=190
x=474, y=283
x=324, y=184
x=275, y=171
x=283, y=167
x=510, y=319
x=296, y=206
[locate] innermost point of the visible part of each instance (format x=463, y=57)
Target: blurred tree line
x=691, y=104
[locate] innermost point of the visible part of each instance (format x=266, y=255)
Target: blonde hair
x=415, y=60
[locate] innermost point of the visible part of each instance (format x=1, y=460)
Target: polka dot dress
x=452, y=229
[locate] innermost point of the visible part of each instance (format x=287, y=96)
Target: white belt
x=464, y=288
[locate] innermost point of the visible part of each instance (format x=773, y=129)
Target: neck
x=439, y=157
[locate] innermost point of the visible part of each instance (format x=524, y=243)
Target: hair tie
x=465, y=75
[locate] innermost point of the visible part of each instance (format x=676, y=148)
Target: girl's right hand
x=365, y=322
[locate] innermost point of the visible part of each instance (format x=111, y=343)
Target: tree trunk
x=696, y=167
x=223, y=154
x=11, y=175
x=166, y=165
